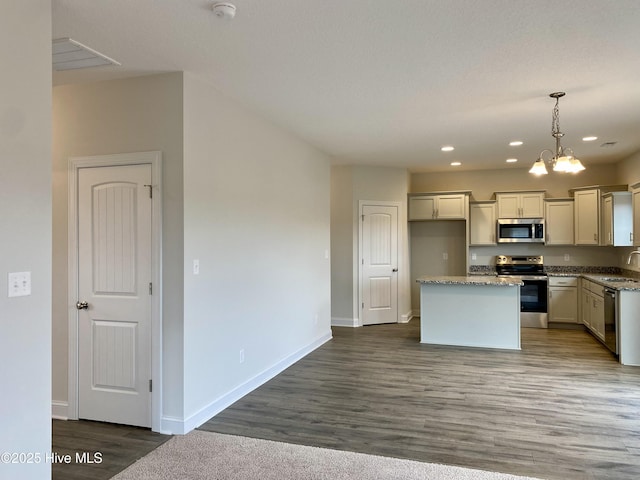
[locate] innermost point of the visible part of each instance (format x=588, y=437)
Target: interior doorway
x=378, y=259
x=115, y=289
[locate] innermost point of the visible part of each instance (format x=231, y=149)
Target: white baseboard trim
x=345, y=322
x=177, y=426
x=59, y=410
x=406, y=318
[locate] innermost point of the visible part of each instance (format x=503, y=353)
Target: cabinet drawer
x=563, y=281
x=597, y=289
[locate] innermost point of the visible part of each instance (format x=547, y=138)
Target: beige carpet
x=213, y=456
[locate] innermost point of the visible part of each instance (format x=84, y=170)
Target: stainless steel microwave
x=520, y=230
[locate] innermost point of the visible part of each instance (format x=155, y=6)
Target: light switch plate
x=19, y=284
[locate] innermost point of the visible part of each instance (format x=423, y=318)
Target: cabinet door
x=422, y=208
x=451, y=207
x=636, y=216
x=532, y=205
x=508, y=205
x=585, y=309
x=559, y=223
x=563, y=304
x=597, y=316
x=607, y=221
x=587, y=217
x=482, y=224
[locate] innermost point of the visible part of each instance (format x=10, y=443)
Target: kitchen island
x=472, y=311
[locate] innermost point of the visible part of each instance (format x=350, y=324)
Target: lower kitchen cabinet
x=563, y=300
x=592, y=296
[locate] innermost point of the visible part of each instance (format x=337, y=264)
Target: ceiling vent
x=69, y=54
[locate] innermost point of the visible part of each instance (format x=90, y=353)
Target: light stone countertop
x=469, y=280
x=624, y=283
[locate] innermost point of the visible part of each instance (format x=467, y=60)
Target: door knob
x=394, y=270
x=82, y=305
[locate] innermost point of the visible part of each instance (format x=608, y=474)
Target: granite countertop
x=600, y=275
x=616, y=282
x=469, y=280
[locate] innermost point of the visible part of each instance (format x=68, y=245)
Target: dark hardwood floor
x=118, y=446
x=561, y=408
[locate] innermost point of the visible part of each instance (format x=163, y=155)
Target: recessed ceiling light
x=515, y=143
x=447, y=148
x=456, y=164
x=512, y=160
x=589, y=139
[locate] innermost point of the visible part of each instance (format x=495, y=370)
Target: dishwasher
x=611, y=330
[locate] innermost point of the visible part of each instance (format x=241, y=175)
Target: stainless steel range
x=533, y=292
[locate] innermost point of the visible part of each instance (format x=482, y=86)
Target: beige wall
x=25, y=243
x=629, y=173
x=429, y=240
x=483, y=183
x=349, y=186
x=629, y=170
x=137, y=114
x=256, y=215
x=342, y=243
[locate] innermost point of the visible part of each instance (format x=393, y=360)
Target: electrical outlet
x=242, y=356
x=567, y=257
x=196, y=267
x=474, y=256
x=445, y=256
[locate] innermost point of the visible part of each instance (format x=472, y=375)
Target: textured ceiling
x=388, y=83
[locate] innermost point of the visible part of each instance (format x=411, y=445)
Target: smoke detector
x=224, y=10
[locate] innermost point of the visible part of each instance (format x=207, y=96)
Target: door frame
x=361, y=205
x=153, y=158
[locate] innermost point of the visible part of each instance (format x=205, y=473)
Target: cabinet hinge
x=150, y=288
x=150, y=385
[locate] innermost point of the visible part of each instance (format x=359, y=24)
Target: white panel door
x=114, y=275
x=379, y=264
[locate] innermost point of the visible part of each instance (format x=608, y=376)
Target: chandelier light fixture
x=563, y=159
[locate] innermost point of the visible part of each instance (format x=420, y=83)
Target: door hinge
x=150, y=385
x=150, y=288
x=150, y=190
x=362, y=304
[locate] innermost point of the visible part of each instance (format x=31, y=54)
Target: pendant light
x=563, y=159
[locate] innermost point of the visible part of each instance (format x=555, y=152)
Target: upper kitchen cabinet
x=520, y=204
x=587, y=213
x=587, y=217
x=617, y=219
x=439, y=206
x=558, y=213
x=482, y=223
x=635, y=204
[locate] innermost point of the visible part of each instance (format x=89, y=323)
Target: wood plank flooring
x=119, y=445
x=561, y=408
